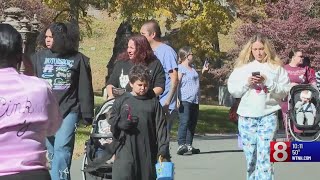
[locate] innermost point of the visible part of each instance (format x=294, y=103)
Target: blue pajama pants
x=256, y=134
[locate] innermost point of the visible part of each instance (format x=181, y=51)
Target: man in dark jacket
x=69, y=74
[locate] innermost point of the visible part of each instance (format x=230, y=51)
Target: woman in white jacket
x=260, y=81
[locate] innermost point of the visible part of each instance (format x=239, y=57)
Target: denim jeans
x=188, y=118
x=60, y=147
x=172, y=116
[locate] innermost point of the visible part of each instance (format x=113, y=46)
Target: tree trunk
x=74, y=11
x=215, y=43
x=74, y=19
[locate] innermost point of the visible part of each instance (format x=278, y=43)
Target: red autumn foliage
x=288, y=24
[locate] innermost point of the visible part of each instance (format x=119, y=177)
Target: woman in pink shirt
x=298, y=74
x=28, y=114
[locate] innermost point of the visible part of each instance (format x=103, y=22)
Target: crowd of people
x=56, y=92
x=150, y=83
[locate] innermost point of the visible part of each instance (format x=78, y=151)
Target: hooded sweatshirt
x=260, y=99
x=70, y=79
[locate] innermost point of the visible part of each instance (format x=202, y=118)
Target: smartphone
x=255, y=73
x=205, y=64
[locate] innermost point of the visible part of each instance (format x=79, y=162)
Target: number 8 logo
x=280, y=151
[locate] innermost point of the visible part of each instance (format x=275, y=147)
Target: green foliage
x=214, y=119
x=201, y=29
x=198, y=21
x=98, y=46
x=73, y=10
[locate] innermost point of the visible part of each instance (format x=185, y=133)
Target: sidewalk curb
x=219, y=135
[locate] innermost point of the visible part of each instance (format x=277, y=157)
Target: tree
x=289, y=24
x=198, y=21
x=31, y=7
x=73, y=11
x=71, y=8
x=194, y=18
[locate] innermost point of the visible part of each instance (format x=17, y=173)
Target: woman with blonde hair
x=261, y=82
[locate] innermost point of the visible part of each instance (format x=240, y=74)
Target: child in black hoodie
x=137, y=121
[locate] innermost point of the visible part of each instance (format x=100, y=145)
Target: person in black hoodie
x=69, y=74
x=138, y=123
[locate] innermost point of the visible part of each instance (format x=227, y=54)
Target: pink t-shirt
x=28, y=114
x=300, y=75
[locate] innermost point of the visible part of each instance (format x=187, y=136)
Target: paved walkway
x=220, y=159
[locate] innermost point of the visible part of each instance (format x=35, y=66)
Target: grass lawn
x=212, y=119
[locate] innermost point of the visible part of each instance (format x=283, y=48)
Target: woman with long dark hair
x=138, y=52
x=69, y=74
x=28, y=114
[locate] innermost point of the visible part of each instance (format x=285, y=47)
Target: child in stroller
x=97, y=161
x=303, y=103
x=305, y=109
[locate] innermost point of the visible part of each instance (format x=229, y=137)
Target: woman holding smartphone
x=261, y=82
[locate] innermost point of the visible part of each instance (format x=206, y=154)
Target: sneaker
x=182, y=149
x=193, y=150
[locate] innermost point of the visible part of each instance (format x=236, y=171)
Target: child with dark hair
x=69, y=74
x=137, y=121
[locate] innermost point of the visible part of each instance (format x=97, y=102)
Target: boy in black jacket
x=137, y=121
x=69, y=74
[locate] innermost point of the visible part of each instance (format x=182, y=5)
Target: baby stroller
x=310, y=132
x=95, y=166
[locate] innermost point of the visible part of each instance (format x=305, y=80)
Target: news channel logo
x=294, y=151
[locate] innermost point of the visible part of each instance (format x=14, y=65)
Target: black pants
x=40, y=174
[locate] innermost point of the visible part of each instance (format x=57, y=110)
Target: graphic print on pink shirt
x=296, y=74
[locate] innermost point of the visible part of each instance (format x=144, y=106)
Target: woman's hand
x=259, y=79
x=205, y=68
x=110, y=97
